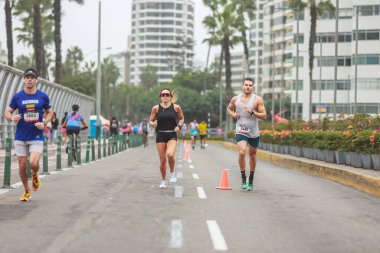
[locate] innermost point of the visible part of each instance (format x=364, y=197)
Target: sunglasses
x=165, y=95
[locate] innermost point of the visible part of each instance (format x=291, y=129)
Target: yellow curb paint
x=353, y=179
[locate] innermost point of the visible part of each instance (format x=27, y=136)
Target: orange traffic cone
x=188, y=147
x=224, y=182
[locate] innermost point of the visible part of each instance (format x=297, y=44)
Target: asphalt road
x=115, y=205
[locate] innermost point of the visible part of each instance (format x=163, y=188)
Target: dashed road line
x=216, y=236
x=201, y=193
x=195, y=176
x=178, y=191
x=191, y=166
x=176, y=239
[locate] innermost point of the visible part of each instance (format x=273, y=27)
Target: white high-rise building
x=368, y=61
x=162, y=36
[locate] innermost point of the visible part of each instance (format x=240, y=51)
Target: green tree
x=73, y=61
x=245, y=13
x=149, y=77
x=224, y=25
x=23, y=62
x=36, y=28
x=316, y=7
x=8, y=7
x=110, y=74
x=84, y=82
x=57, y=12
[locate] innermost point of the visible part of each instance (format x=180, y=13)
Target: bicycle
x=74, y=143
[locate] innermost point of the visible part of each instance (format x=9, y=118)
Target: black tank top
x=167, y=118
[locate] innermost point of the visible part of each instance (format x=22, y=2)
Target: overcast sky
x=80, y=27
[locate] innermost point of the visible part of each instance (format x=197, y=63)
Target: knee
x=163, y=160
x=241, y=153
x=34, y=164
x=170, y=156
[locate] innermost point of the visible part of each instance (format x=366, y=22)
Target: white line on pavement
x=195, y=176
x=179, y=174
x=176, y=234
x=191, y=166
x=178, y=190
x=216, y=236
x=201, y=193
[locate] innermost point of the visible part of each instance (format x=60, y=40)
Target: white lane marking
x=201, y=193
x=191, y=166
x=178, y=190
x=179, y=174
x=216, y=236
x=195, y=176
x=176, y=239
x=189, y=161
x=4, y=191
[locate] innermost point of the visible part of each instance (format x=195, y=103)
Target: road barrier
x=99, y=147
x=45, y=165
x=59, y=155
x=79, y=151
x=70, y=152
x=104, y=147
x=7, y=167
x=88, y=150
x=92, y=149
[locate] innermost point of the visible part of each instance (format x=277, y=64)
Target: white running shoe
x=173, y=178
x=163, y=184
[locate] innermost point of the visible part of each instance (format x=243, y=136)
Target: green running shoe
x=250, y=187
x=243, y=186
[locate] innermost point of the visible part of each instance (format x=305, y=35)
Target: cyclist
x=72, y=124
x=31, y=104
x=114, y=128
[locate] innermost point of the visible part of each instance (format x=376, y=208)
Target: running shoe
x=173, y=178
x=26, y=196
x=250, y=187
x=163, y=184
x=243, y=185
x=36, y=183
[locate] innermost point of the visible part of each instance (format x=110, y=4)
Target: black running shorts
x=164, y=137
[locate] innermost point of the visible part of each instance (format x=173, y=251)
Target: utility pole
x=297, y=66
x=356, y=61
x=98, y=78
x=336, y=57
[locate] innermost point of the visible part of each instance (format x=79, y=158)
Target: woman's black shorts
x=164, y=137
x=70, y=130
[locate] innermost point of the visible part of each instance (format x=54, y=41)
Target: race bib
x=31, y=116
x=244, y=130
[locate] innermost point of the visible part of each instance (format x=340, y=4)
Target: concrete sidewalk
x=361, y=179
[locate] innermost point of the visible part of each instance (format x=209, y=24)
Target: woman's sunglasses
x=165, y=95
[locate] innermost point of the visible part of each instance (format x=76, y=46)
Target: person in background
x=114, y=128
x=54, y=129
x=203, y=133
x=193, y=132
x=144, y=131
x=63, y=130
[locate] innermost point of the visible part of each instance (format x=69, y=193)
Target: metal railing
x=61, y=98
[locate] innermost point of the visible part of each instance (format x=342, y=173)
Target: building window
x=301, y=38
x=300, y=85
x=369, y=59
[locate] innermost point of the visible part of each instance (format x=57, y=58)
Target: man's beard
x=34, y=85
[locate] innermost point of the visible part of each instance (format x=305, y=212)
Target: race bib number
x=244, y=130
x=31, y=116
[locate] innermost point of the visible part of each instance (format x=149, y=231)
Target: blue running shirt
x=74, y=120
x=31, y=108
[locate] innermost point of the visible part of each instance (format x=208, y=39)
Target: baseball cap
x=31, y=71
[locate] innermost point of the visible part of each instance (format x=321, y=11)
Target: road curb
x=355, y=178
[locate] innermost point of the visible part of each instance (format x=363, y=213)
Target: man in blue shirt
x=31, y=104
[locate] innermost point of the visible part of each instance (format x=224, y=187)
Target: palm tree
x=38, y=44
x=57, y=12
x=316, y=8
x=9, y=27
x=74, y=58
x=223, y=23
x=245, y=9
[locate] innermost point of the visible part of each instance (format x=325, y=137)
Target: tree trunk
x=9, y=28
x=227, y=61
x=57, y=40
x=37, y=40
x=313, y=27
x=205, y=76
x=246, y=50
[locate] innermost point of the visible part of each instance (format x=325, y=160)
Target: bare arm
x=180, y=117
x=153, y=114
x=261, y=112
x=8, y=115
x=231, y=109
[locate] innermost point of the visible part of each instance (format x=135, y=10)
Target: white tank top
x=247, y=124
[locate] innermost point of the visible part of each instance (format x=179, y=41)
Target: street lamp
x=98, y=77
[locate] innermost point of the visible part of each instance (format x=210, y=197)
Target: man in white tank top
x=247, y=108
